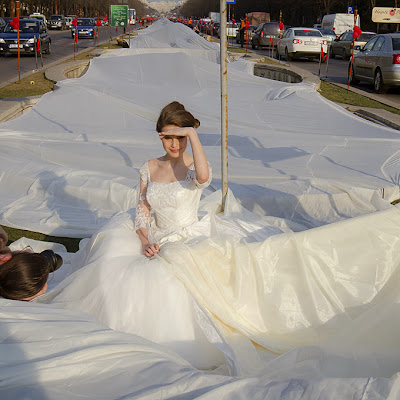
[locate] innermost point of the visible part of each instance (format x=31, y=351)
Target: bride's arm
x=142, y=218
x=199, y=157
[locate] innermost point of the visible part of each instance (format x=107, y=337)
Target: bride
x=226, y=289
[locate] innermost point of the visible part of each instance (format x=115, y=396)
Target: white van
x=39, y=16
x=339, y=22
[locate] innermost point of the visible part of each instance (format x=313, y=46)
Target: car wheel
x=353, y=80
x=253, y=46
x=48, y=50
x=378, y=82
x=344, y=55
x=258, y=45
x=287, y=55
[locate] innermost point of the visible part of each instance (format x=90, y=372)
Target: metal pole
x=224, y=102
x=328, y=50
x=35, y=44
x=18, y=41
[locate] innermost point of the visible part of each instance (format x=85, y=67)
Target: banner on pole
x=386, y=14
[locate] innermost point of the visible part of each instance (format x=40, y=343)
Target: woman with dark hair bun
x=233, y=285
x=120, y=277
x=24, y=276
x=185, y=173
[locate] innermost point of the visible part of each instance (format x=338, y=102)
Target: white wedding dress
x=233, y=289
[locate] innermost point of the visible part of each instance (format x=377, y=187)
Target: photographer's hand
x=5, y=257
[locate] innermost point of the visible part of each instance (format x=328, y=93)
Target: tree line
x=294, y=12
x=82, y=8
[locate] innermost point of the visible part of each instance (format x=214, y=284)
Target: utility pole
x=12, y=8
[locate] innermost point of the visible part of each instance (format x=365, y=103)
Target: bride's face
x=173, y=145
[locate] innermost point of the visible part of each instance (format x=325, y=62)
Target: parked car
x=329, y=35
x=231, y=29
x=2, y=24
x=249, y=32
x=57, y=22
x=68, y=22
x=86, y=27
x=378, y=62
x=301, y=42
x=30, y=31
x=264, y=34
x=39, y=16
x=343, y=46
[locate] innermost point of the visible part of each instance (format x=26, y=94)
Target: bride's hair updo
x=175, y=114
x=24, y=275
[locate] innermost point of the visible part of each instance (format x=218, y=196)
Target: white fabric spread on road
x=76, y=358
x=72, y=161
x=329, y=299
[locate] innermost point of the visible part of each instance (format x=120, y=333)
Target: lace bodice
x=172, y=206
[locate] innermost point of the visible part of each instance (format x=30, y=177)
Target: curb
x=21, y=105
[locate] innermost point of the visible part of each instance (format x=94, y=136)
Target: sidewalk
x=13, y=107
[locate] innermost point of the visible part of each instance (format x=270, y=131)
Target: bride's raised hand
x=150, y=249
x=185, y=131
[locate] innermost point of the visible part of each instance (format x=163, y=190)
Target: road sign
x=230, y=1
x=350, y=10
x=119, y=16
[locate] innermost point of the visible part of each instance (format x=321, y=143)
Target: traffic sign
x=230, y=1
x=119, y=16
x=350, y=10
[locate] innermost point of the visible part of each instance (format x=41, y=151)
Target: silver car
x=378, y=62
x=329, y=35
x=250, y=33
x=343, y=46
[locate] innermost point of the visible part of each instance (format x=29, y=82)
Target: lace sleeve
x=142, y=215
x=191, y=176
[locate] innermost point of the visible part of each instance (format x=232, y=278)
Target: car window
x=287, y=33
x=396, y=43
x=271, y=28
x=305, y=32
x=370, y=44
x=84, y=22
x=24, y=27
x=364, y=37
x=379, y=43
x=327, y=32
x=347, y=36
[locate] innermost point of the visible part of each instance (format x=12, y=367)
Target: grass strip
x=36, y=84
x=72, y=244
x=340, y=95
x=32, y=85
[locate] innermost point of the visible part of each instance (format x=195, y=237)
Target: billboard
x=119, y=15
x=386, y=15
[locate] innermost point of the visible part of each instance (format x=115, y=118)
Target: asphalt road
x=62, y=48
x=335, y=71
